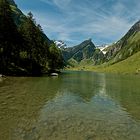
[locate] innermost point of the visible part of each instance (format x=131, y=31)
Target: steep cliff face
x=125, y=47
x=85, y=50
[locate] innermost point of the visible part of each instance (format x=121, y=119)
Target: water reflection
x=69, y=117
x=75, y=105
x=101, y=117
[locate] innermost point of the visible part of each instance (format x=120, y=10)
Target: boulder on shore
x=54, y=74
x=0, y=75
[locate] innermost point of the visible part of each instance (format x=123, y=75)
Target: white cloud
x=61, y=3
x=58, y=3
x=47, y=1
x=85, y=18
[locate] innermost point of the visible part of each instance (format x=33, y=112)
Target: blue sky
x=73, y=21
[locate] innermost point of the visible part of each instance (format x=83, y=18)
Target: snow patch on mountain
x=102, y=48
x=60, y=44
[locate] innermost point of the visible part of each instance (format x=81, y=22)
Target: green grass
x=129, y=65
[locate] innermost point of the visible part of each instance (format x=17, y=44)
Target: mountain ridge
x=122, y=54
x=128, y=45
x=83, y=52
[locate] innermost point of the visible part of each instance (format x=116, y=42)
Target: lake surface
x=72, y=106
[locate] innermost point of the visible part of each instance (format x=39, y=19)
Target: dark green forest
x=23, y=48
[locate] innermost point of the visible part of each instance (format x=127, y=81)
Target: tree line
x=23, y=48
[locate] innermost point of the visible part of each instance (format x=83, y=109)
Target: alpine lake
x=75, y=105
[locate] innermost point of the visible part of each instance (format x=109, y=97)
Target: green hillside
x=125, y=47
x=121, y=57
x=129, y=65
x=124, y=56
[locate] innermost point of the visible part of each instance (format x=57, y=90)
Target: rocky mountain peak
x=136, y=27
x=85, y=44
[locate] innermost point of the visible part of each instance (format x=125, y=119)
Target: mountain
x=121, y=57
x=24, y=48
x=83, y=52
x=125, y=47
x=103, y=48
x=124, y=55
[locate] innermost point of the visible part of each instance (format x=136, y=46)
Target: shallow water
x=72, y=106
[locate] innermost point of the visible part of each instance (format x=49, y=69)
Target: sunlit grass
x=129, y=65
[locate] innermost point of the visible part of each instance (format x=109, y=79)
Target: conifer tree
x=9, y=37
x=35, y=45
x=24, y=49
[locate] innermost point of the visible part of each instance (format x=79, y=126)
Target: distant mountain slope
x=84, y=51
x=125, y=47
x=129, y=65
x=121, y=57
